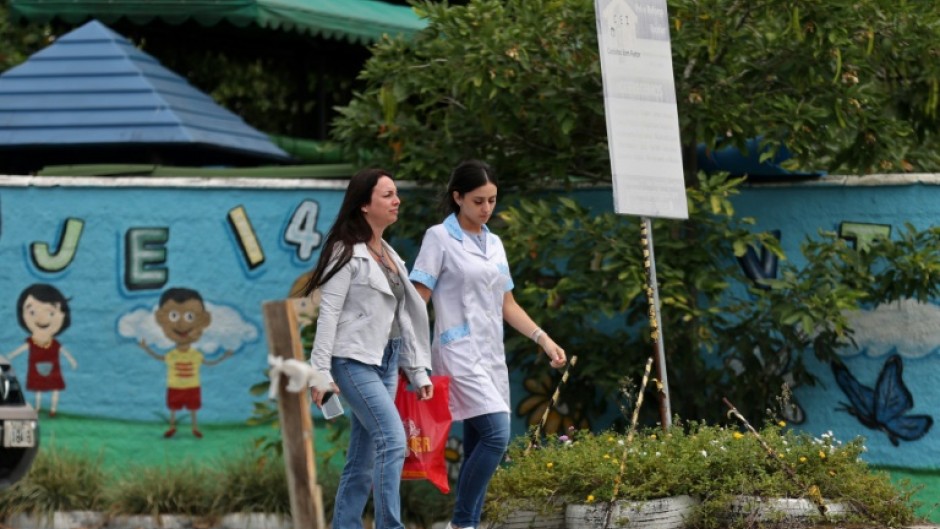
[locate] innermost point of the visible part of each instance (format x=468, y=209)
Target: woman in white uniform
x=462, y=268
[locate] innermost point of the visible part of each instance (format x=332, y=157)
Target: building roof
x=92, y=97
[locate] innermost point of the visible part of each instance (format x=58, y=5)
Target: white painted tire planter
x=532, y=520
x=660, y=513
x=783, y=510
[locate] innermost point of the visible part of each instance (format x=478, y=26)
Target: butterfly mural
x=884, y=407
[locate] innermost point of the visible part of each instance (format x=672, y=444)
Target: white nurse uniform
x=467, y=286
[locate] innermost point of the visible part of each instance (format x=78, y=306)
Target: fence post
x=306, y=500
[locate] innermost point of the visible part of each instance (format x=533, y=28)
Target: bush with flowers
x=712, y=463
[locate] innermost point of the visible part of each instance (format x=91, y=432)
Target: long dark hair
x=350, y=227
x=466, y=177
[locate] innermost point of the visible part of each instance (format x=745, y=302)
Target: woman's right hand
x=426, y=392
x=556, y=354
x=317, y=396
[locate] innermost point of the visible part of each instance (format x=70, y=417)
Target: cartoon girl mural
x=43, y=311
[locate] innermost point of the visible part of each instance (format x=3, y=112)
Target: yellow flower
x=610, y=439
x=822, y=455
x=782, y=424
x=802, y=459
x=606, y=456
x=549, y=465
x=590, y=498
x=737, y=435
x=653, y=437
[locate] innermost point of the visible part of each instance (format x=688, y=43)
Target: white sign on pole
x=640, y=102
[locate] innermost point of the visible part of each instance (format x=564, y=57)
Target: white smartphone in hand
x=332, y=407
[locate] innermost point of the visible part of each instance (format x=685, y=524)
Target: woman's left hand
x=426, y=392
x=555, y=353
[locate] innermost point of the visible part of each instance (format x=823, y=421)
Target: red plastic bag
x=427, y=426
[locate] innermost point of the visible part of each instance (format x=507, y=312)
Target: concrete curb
x=97, y=520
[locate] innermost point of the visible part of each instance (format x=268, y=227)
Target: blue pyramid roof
x=93, y=92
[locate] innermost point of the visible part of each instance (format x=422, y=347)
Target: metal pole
x=656, y=332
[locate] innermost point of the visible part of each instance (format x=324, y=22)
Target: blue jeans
x=376, y=442
x=485, y=439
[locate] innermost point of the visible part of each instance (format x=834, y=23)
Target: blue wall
x=112, y=247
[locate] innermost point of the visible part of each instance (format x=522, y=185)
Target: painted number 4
x=302, y=230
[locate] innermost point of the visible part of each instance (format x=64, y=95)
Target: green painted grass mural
x=122, y=444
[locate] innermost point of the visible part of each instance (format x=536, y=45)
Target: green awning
x=357, y=21
x=310, y=151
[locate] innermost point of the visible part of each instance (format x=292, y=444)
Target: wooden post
x=306, y=499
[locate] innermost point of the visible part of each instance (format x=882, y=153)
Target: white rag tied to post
x=300, y=376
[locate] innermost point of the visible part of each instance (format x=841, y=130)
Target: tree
x=844, y=85
x=517, y=83
x=18, y=43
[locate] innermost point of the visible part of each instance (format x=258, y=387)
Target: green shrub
x=712, y=463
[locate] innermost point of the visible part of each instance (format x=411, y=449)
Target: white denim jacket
x=357, y=308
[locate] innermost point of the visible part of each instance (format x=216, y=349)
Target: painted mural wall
x=887, y=391
x=140, y=299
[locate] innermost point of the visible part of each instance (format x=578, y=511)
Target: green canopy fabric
x=357, y=21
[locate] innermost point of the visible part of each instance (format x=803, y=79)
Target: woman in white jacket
x=372, y=321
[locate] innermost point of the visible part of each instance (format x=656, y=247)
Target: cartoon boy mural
x=43, y=311
x=183, y=317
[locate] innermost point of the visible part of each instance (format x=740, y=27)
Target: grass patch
x=58, y=480
x=128, y=467
x=252, y=481
x=155, y=490
x=258, y=484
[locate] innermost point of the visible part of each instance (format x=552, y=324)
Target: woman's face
x=476, y=206
x=44, y=320
x=382, y=210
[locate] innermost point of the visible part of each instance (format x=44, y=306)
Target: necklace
x=390, y=273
